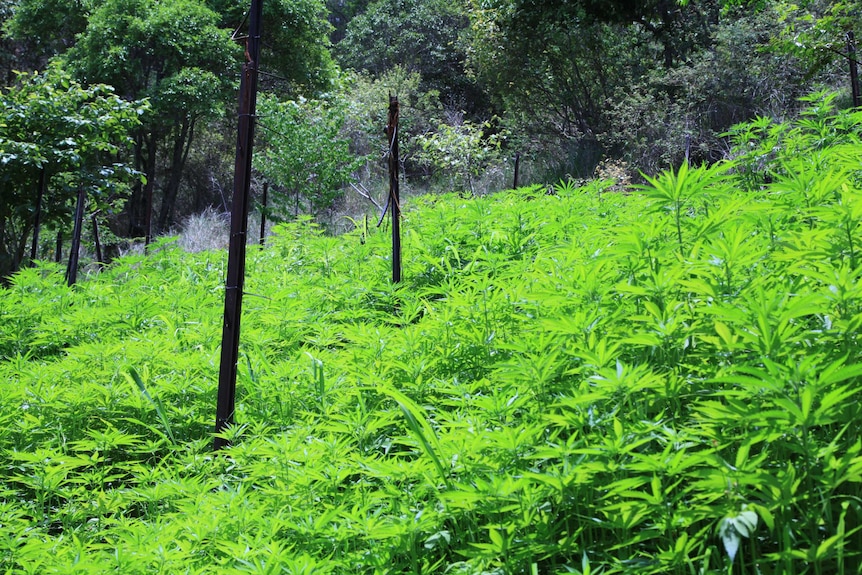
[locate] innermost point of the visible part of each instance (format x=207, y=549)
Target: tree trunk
x=37, y=216
x=854, y=69
x=148, y=190
x=134, y=207
x=21, y=249
x=5, y=256
x=72, y=269
x=182, y=144
x=99, y=259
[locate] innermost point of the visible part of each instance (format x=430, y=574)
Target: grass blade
x=155, y=401
x=420, y=427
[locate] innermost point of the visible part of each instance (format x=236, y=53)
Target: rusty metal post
x=238, y=228
x=394, y=199
x=854, y=69
x=72, y=269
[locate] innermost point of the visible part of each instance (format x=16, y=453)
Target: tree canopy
x=423, y=36
x=183, y=57
x=66, y=135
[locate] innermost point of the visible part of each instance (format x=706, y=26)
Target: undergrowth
x=658, y=381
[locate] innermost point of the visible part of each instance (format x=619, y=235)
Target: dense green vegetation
x=57, y=131
x=567, y=86
x=581, y=380
x=655, y=373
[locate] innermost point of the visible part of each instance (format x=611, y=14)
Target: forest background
x=134, y=101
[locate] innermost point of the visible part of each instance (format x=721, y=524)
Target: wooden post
x=394, y=199
x=238, y=228
x=72, y=269
x=854, y=69
x=58, y=250
x=263, y=214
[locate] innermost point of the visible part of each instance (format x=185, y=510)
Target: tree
x=305, y=153
x=421, y=36
x=43, y=29
x=678, y=26
x=553, y=72
x=367, y=101
x=815, y=31
x=178, y=55
x=570, y=57
x=639, y=80
x=668, y=115
x=10, y=54
x=57, y=136
x=341, y=12
x=173, y=54
x=464, y=152
x=295, y=57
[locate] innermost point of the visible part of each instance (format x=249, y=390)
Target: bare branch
x=363, y=191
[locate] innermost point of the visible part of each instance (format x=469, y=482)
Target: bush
x=306, y=154
x=462, y=153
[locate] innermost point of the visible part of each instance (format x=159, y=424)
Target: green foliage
x=465, y=151
x=641, y=82
x=151, y=49
x=71, y=134
x=559, y=385
x=295, y=46
x=767, y=149
x=178, y=55
x=305, y=154
x=669, y=115
x=423, y=37
x=160, y=409
x=814, y=31
x=45, y=27
x=687, y=191
x=367, y=100
x=549, y=72
x=173, y=54
x=297, y=33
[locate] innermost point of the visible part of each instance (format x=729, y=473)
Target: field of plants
x=657, y=380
